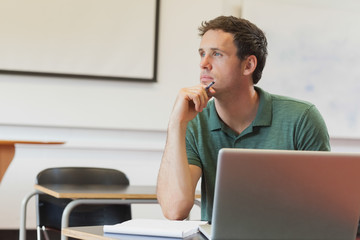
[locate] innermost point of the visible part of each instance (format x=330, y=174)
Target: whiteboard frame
x=153, y=78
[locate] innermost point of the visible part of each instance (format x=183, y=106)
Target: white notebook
x=155, y=227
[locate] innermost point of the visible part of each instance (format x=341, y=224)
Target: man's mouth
x=206, y=79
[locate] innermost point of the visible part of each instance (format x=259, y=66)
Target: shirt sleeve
x=312, y=133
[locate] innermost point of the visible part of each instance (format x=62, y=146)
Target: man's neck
x=238, y=111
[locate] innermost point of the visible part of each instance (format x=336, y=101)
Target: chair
x=50, y=209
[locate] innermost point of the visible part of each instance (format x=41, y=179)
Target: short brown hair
x=248, y=38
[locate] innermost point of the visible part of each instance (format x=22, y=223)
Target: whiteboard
x=314, y=55
x=99, y=38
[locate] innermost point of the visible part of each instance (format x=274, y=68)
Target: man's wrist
x=176, y=124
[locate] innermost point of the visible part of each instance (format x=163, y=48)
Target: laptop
x=285, y=194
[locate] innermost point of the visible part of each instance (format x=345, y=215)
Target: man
x=233, y=53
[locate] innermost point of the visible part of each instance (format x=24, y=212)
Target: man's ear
x=250, y=65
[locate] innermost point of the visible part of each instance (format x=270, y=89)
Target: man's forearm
x=177, y=180
x=176, y=189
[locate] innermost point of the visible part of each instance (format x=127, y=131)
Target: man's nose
x=205, y=63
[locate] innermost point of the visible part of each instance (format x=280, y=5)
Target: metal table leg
x=22, y=232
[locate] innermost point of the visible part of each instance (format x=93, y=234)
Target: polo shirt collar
x=263, y=115
x=215, y=123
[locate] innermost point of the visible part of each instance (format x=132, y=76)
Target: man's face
x=219, y=62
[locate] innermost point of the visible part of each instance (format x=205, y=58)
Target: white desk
x=96, y=232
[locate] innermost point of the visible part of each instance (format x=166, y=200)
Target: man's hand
x=190, y=102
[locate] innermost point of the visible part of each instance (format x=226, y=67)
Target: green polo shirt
x=280, y=123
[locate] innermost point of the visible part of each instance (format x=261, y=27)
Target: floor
x=30, y=235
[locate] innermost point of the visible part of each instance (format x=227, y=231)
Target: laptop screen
x=281, y=194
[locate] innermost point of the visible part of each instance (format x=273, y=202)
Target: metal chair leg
x=46, y=236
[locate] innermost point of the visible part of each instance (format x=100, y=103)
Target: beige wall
x=50, y=101
x=105, y=123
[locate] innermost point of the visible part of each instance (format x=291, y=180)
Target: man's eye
x=217, y=54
